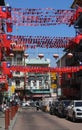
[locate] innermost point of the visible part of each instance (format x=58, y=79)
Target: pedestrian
x=50, y=103
x=37, y=105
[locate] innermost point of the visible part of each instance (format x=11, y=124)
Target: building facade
x=38, y=83
x=71, y=83
x=32, y=85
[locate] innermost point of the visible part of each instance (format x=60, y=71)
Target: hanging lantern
x=26, y=55
x=70, y=55
x=11, y=54
x=40, y=56
x=55, y=56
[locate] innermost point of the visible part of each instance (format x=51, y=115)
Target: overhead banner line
x=40, y=16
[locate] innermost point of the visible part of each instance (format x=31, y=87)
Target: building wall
x=33, y=81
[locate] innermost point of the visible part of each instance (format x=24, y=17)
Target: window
x=19, y=60
x=17, y=72
x=78, y=104
x=17, y=82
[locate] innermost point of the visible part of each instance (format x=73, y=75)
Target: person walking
x=37, y=105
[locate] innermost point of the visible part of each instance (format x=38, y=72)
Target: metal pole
x=24, y=80
x=59, y=81
x=25, y=56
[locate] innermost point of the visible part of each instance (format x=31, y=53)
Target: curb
x=12, y=123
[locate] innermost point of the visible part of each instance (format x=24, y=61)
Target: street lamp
x=11, y=56
x=54, y=77
x=58, y=76
x=40, y=56
x=70, y=55
x=55, y=56
x=25, y=56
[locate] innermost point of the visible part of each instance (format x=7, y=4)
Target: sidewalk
x=2, y=121
x=12, y=123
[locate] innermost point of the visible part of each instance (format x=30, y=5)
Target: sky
x=55, y=31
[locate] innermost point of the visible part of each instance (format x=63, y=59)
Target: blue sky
x=57, y=30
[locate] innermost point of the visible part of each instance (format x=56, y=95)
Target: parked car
x=74, y=110
x=54, y=108
x=62, y=107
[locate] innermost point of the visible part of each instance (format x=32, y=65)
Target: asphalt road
x=30, y=119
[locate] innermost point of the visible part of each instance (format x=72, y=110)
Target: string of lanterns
x=38, y=41
x=36, y=17
x=35, y=69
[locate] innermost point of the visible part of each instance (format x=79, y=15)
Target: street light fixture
x=55, y=56
x=70, y=55
x=26, y=55
x=40, y=56
x=58, y=77
x=11, y=54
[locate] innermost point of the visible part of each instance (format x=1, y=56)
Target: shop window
x=17, y=82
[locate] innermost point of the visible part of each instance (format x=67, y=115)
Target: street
x=30, y=119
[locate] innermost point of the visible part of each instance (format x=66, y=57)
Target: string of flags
x=40, y=16
x=35, y=69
